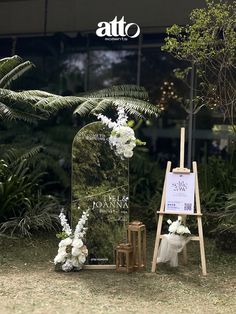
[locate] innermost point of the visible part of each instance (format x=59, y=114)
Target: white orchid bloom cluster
x=72, y=252
x=177, y=227
x=122, y=138
x=65, y=226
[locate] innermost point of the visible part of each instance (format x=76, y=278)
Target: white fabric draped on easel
x=171, y=245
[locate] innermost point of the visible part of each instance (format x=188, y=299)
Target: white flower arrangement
x=122, y=138
x=177, y=227
x=72, y=252
x=174, y=242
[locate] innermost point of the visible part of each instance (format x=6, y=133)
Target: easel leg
x=199, y=221
x=160, y=220
x=185, y=254
x=139, y=250
x=202, y=249
x=157, y=242
x=144, y=246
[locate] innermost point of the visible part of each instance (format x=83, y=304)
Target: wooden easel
x=197, y=212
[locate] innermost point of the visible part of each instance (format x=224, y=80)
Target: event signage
x=180, y=193
x=100, y=183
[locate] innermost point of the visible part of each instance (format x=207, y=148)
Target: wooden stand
x=197, y=214
x=124, y=258
x=137, y=238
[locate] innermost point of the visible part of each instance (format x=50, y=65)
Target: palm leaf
x=3, y=60
x=14, y=114
x=8, y=64
x=102, y=105
x=133, y=98
x=87, y=106
x=8, y=96
x=134, y=107
x=55, y=102
x=101, y=100
x=132, y=91
x=16, y=72
x=38, y=93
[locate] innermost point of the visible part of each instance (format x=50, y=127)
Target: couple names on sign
x=112, y=202
x=180, y=192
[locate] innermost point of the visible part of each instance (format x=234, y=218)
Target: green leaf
x=15, y=73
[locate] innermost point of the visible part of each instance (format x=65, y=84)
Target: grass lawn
x=29, y=284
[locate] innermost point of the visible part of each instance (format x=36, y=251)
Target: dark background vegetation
x=69, y=65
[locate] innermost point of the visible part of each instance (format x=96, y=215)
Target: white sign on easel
x=180, y=193
x=180, y=190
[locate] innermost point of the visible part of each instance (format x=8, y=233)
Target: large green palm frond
x=131, y=91
x=8, y=64
x=22, y=105
x=135, y=107
x=11, y=102
x=54, y=102
x=94, y=102
x=8, y=96
x=8, y=113
x=11, y=69
x=133, y=98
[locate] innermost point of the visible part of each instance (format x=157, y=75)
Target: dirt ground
x=29, y=284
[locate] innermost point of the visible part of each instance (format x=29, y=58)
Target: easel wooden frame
x=197, y=213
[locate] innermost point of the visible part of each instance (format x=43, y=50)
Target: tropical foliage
x=12, y=68
x=17, y=182
x=40, y=213
x=37, y=104
x=146, y=184
x=134, y=99
x=23, y=207
x=228, y=217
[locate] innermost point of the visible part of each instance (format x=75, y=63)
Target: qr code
x=187, y=206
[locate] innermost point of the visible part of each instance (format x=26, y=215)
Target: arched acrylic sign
x=100, y=182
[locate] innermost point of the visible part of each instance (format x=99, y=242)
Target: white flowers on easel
x=122, y=138
x=174, y=242
x=177, y=227
x=72, y=252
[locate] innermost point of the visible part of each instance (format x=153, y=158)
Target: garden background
x=190, y=82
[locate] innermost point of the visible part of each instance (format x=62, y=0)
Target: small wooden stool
x=137, y=238
x=124, y=258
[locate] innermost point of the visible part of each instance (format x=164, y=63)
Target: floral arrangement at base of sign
x=122, y=139
x=72, y=252
x=174, y=242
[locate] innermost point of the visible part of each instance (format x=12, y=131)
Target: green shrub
x=146, y=183
x=23, y=207
x=17, y=183
x=39, y=214
x=225, y=232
